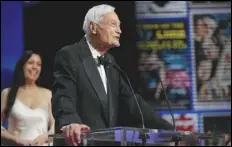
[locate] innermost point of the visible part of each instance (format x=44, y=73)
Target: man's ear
x=93, y=28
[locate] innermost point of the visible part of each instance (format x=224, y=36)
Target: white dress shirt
x=100, y=67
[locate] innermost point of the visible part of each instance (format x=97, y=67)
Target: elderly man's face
x=109, y=31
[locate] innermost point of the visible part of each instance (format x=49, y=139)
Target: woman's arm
x=6, y=137
x=51, y=129
x=51, y=118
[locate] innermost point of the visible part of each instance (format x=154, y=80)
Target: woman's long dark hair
x=18, y=80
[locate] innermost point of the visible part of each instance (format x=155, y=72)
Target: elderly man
x=85, y=94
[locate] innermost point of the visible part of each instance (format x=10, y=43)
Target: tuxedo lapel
x=94, y=77
x=111, y=85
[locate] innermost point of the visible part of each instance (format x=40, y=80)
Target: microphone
x=169, y=107
x=175, y=138
x=106, y=61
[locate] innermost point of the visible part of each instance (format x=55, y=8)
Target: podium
x=127, y=136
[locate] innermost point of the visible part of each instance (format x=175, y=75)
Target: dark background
x=48, y=26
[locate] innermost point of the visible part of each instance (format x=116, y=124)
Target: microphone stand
x=176, y=139
x=143, y=135
x=107, y=61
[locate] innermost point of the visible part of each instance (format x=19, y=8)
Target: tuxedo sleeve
x=64, y=100
x=151, y=118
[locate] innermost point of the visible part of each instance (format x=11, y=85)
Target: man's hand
x=73, y=133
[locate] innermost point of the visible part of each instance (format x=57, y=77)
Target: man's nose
x=118, y=30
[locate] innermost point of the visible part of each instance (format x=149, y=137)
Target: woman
x=26, y=106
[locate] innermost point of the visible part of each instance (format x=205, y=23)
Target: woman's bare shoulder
x=4, y=95
x=46, y=92
x=5, y=92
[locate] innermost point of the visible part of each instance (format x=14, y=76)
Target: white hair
x=95, y=14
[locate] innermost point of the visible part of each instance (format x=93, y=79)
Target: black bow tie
x=104, y=60
x=101, y=60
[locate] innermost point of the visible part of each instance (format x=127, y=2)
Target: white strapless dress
x=27, y=123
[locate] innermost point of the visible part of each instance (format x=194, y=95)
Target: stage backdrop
x=171, y=40
x=11, y=39
x=187, y=44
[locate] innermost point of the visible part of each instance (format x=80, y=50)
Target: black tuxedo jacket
x=79, y=95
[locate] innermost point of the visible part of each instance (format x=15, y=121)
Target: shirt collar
x=94, y=52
